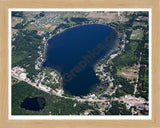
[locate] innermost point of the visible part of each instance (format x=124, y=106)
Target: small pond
x=34, y=104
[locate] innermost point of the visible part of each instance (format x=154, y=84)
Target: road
x=139, y=65
x=53, y=92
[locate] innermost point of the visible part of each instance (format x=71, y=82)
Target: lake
x=33, y=104
x=73, y=53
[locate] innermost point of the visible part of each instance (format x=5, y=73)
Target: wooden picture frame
x=4, y=62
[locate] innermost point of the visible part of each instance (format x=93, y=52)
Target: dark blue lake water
x=74, y=52
x=34, y=104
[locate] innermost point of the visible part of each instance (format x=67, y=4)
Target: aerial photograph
x=84, y=63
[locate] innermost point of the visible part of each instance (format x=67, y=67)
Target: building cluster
x=55, y=77
x=45, y=20
x=104, y=76
x=131, y=101
x=20, y=72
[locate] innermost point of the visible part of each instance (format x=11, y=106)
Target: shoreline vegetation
x=123, y=71
x=51, y=36
x=62, y=30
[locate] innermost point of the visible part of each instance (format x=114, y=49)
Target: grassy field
x=137, y=35
x=127, y=58
x=139, y=24
x=16, y=58
x=129, y=73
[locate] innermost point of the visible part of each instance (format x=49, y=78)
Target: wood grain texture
x=6, y=4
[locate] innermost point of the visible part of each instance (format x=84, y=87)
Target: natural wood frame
x=6, y=4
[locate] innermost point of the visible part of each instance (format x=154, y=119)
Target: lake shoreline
x=51, y=36
x=46, y=42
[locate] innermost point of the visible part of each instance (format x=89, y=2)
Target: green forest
x=130, y=56
x=118, y=109
x=24, y=52
x=55, y=105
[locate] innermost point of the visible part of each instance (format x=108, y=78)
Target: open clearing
x=139, y=24
x=16, y=20
x=137, y=35
x=129, y=73
x=109, y=16
x=53, y=27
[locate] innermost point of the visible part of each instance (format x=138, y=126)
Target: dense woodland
x=24, y=52
x=55, y=105
x=79, y=20
x=118, y=109
x=129, y=57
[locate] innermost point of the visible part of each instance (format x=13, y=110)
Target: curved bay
x=74, y=51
